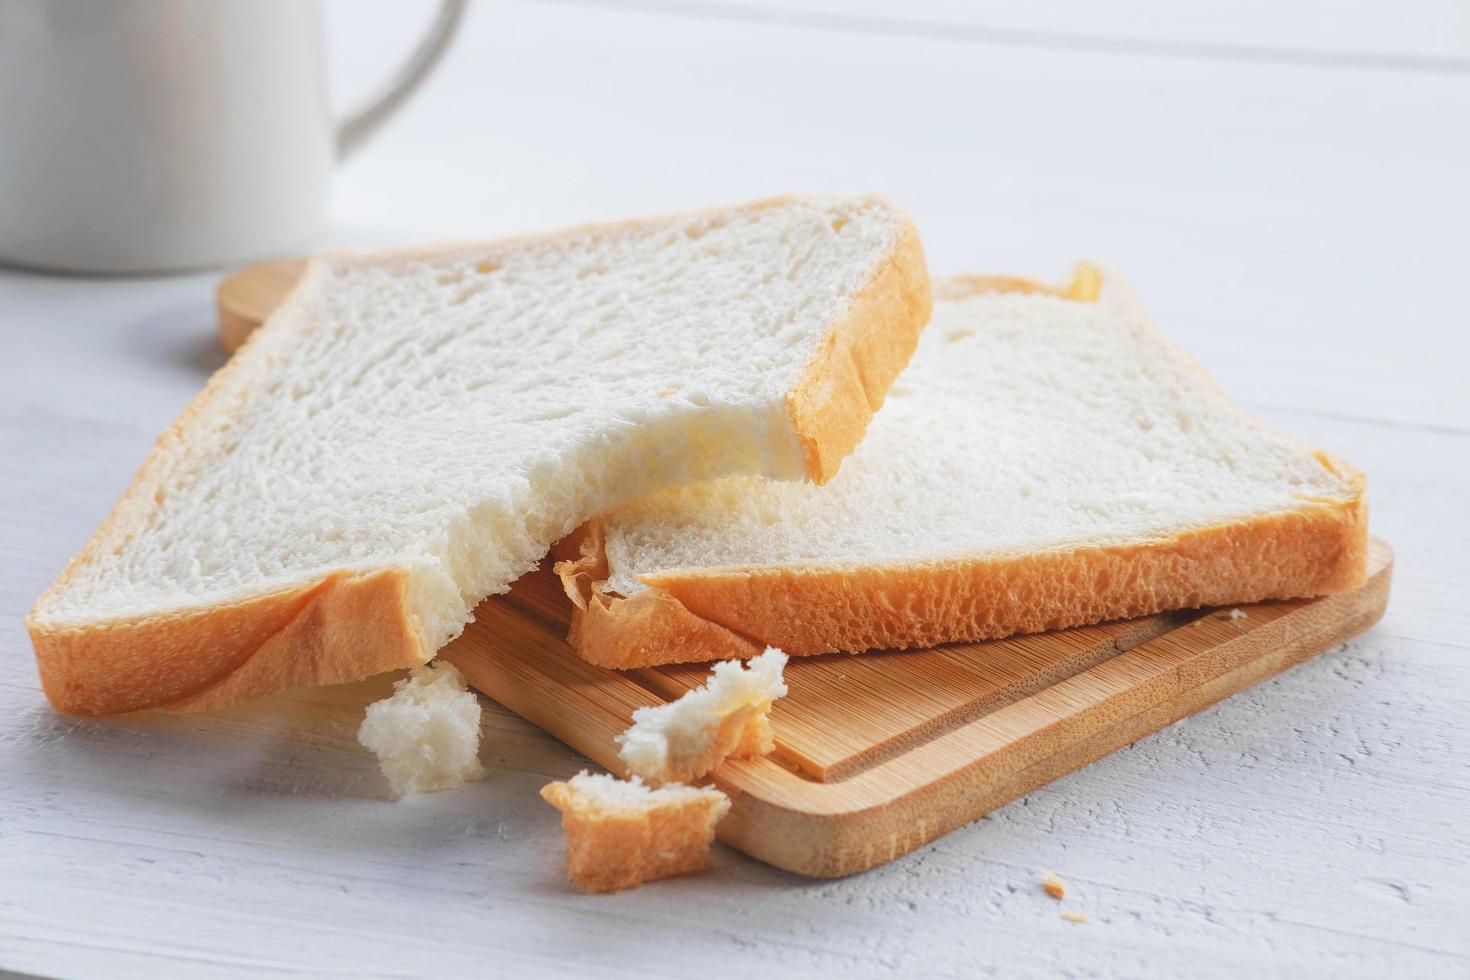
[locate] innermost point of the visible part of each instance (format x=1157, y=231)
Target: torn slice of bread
x=409, y=431
x=621, y=833
x=728, y=717
x=1048, y=459
x=427, y=734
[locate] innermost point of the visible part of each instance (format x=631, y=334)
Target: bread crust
x=713, y=614
x=850, y=373
x=645, y=630
x=1288, y=554
x=810, y=609
x=336, y=630
x=345, y=626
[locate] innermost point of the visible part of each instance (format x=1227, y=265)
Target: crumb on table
x=1075, y=916
x=1052, y=884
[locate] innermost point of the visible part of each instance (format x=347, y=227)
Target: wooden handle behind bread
x=247, y=296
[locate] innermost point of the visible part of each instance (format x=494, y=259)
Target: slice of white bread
x=620, y=833
x=427, y=734
x=409, y=431
x=1048, y=459
x=729, y=716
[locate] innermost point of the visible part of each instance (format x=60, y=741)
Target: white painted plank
x=1432, y=34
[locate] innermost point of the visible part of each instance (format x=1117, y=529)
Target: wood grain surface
x=880, y=753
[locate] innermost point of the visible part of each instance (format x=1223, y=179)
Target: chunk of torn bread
x=728, y=716
x=427, y=734
x=621, y=833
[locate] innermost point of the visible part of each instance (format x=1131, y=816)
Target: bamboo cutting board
x=881, y=753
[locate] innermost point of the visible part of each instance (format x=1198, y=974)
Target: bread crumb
x=1074, y=916
x=1237, y=614
x=620, y=833
x=1051, y=883
x=427, y=734
x=686, y=739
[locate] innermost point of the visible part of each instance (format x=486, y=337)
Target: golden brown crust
x=318, y=633
x=340, y=629
x=1086, y=285
x=647, y=630
x=1318, y=548
x=608, y=851
x=846, y=379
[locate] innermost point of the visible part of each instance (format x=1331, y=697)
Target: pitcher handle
x=353, y=131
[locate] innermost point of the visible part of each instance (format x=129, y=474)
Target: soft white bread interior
x=729, y=716
x=427, y=734
x=620, y=833
x=1048, y=459
x=409, y=431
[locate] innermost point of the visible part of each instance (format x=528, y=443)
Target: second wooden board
x=881, y=753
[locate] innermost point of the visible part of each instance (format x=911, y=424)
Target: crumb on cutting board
x=1237, y=614
x=729, y=716
x=1052, y=884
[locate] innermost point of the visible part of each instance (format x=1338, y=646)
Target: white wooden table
x=1285, y=184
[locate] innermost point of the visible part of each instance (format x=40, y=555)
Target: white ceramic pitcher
x=150, y=135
